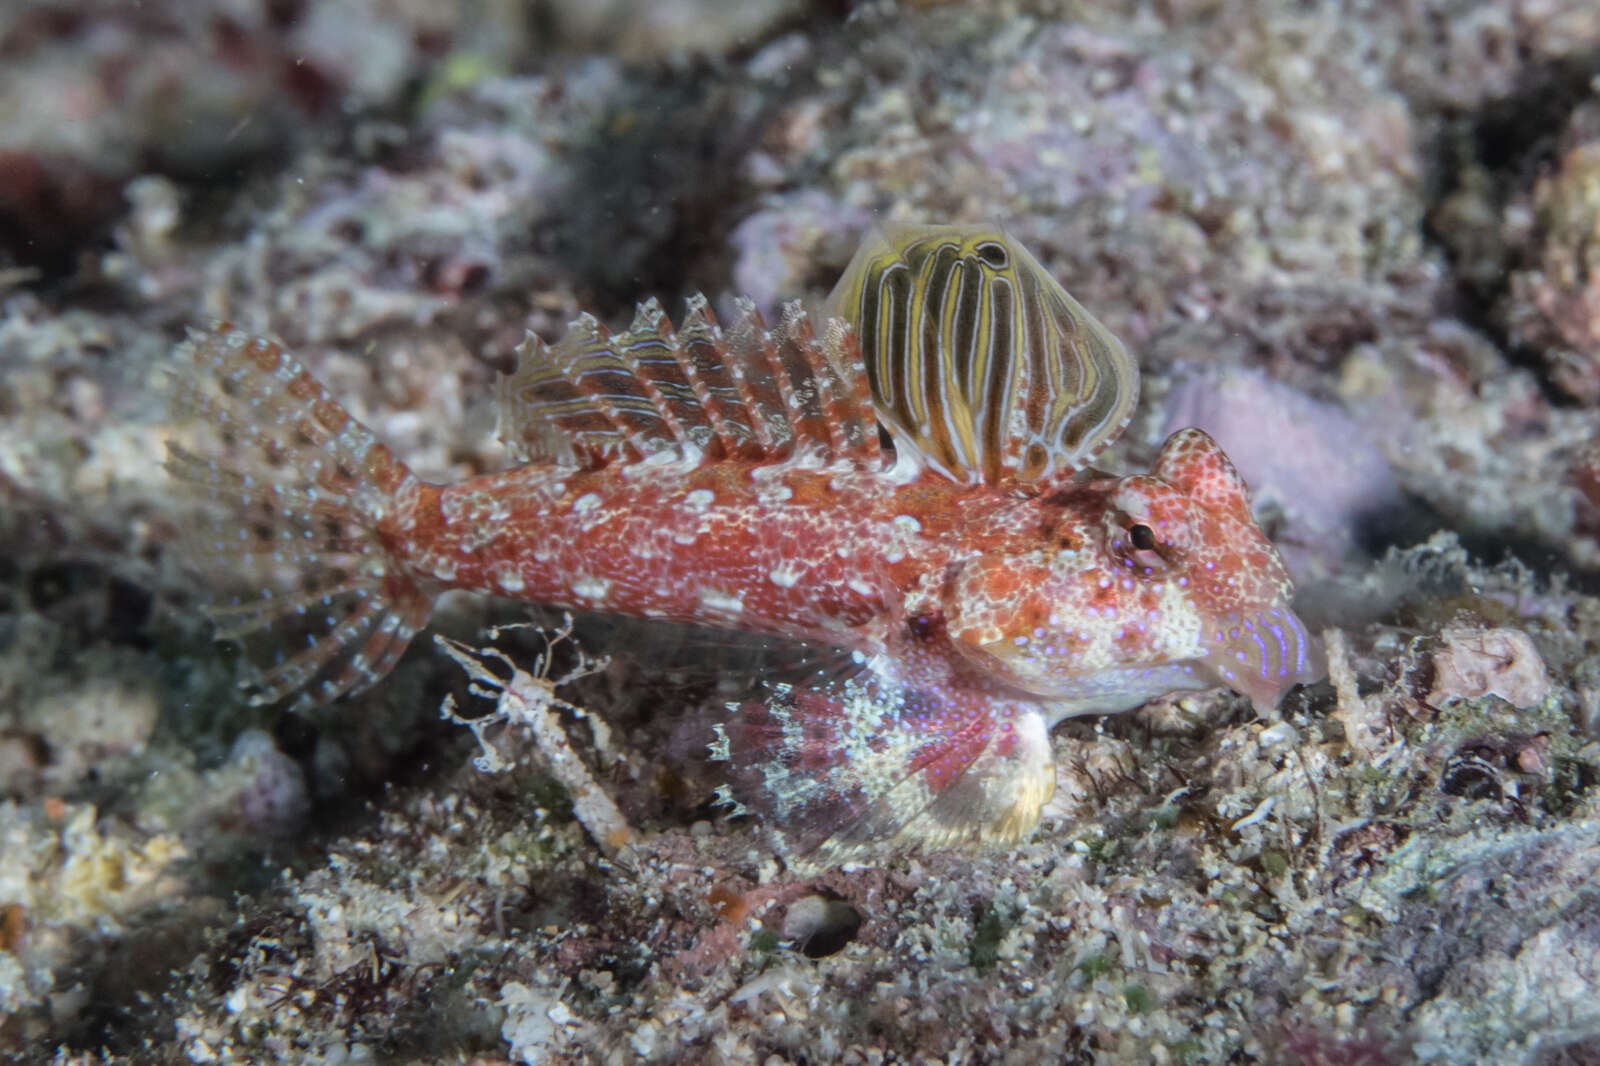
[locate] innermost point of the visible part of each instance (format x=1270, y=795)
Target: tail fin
x=303, y=496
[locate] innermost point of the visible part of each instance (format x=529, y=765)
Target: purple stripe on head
x=1261, y=647
x=1283, y=642
x=1302, y=641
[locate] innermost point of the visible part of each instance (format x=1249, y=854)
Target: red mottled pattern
x=771, y=549
x=977, y=615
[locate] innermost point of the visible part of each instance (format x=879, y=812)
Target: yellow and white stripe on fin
x=980, y=363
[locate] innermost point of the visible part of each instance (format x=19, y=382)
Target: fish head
x=1118, y=590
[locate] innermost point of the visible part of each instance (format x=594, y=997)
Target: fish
x=905, y=485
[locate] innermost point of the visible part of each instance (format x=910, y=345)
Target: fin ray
x=747, y=391
x=981, y=365
x=853, y=764
x=299, y=497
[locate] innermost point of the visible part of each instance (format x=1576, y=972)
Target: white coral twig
x=1366, y=726
x=528, y=698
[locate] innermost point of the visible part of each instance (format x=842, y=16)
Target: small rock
x=1488, y=662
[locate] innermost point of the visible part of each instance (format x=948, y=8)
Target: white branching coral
x=528, y=698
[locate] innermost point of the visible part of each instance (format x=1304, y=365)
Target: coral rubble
x=1359, y=236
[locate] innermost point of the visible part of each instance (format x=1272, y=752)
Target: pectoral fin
x=863, y=763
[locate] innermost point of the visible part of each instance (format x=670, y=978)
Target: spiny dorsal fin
x=747, y=392
x=981, y=364
x=590, y=393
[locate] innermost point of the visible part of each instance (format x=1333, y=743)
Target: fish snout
x=1262, y=655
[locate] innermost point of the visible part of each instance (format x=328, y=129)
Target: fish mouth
x=1261, y=655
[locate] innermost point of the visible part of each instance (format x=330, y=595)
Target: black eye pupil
x=1143, y=537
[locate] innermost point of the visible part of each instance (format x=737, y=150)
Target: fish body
x=981, y=585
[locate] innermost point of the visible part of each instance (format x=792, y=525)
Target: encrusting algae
x=974, y=581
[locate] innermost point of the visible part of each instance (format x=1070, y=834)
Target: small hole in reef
x=818, y=926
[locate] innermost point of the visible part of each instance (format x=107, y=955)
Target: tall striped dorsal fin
x=746, y=392
x=980, y=363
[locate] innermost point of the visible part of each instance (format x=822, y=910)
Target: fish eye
x=1142, y=537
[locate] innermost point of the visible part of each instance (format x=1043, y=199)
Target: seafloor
x=1358, y=240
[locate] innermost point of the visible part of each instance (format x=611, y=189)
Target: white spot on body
x=595, y=589
x=509, y=580
x=1175, y=625
x=699, y=501
x=586, y=503
x=785, y=575
x=774, y=494
x=908, y=523
x=721, y=602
